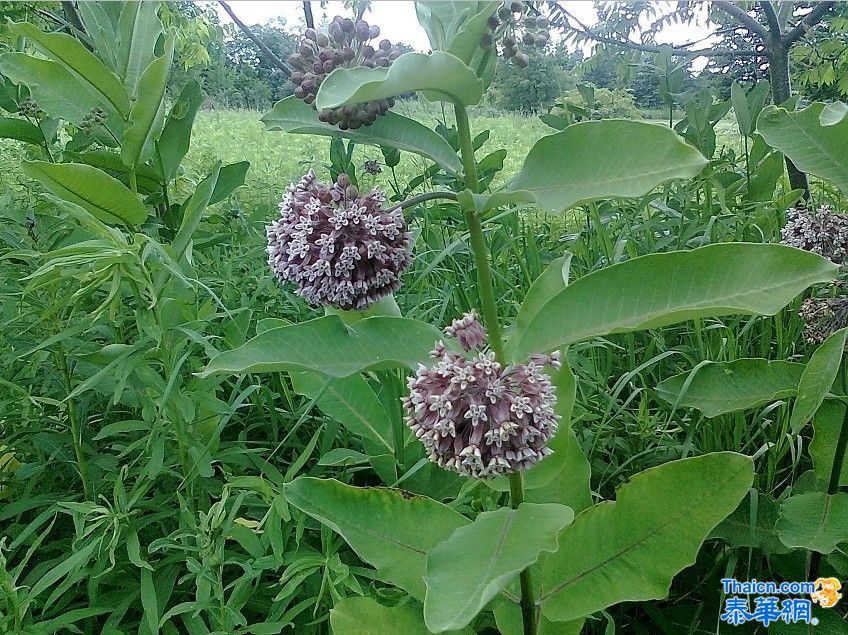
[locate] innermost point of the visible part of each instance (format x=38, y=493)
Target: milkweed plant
x=485, y=513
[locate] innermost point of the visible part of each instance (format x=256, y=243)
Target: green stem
x=82, y=464
x=489, y=313
x=133, y=182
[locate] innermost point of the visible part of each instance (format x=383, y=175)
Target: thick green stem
x=489, y=313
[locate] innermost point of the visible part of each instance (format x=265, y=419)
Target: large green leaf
x=827, y=424
x=630, y=549
x=814, y=521
x=193, y=210
x=471, y=567
x=230, y=178
x=105, y=197
x=389, y=529
x=70, y=52
x=569, y=483
x=817, y=379
x=352, y=402
x=173, y=143
x=439, y=76
x=599, y=159
x=393, y=130
x=813, y=147
x=21, y=130
x=665, y=288
x=55, y=89
x=552, y=280
x=329, y=346
x=365, y=616
x=716, y=388
x=139, y=28
x=147, y=116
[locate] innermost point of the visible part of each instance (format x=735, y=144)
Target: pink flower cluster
x=339, y=247
x=476, y=417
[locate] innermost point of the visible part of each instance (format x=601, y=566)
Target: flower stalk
x=489, y=314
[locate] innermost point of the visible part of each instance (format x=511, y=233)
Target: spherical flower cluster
x=96, y=117
x=823, y=232
x=339, y=247
x=477, y=418
x=346, y=46
x=822, y=317
x=28, y=108
x=514, y=26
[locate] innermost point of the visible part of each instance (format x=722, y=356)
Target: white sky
x=397, y=21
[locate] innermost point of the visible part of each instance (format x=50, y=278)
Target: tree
x=774, y=28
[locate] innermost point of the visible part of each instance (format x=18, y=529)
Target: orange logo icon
x=827, y=592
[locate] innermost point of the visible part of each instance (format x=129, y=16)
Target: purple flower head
x=339, y=247
x=823, y=232
x=480, y=419
x=468, y=331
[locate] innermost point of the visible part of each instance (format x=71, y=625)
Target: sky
x=398, y=23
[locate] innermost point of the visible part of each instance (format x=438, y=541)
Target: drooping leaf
x=601, y=159
x=827, y=424
x=813, y=147
x=389, y=529
x=814, y=521
x=230, y=178
x=174, y=141
x=70, y=52
x=391, y=130
x=147, y=116
x=103, y=196
x=630, y=549
x=471, y=567
x=666, y=288
x=329, y=346
x=717, y=388
x=365, y=616
x=21, y=130
x=817, y=379
x=438, y=76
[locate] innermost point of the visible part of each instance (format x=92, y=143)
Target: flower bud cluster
x=822, y=317
x=340, y=247
x=347, y=45
x=476, y=417
x=513, y=26
x=372, y=167
x=96, y=117
x=28, y=108
x=824, y=232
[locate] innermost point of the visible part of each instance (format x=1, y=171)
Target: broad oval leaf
x=814, y=521
x=630, y=549
x=666, y=288
x=439, y=76
x=551, y=281
x=393, y=130
x=70, y=52
x=329, y=346
x=139, y=29
x=174, y=141
x=813, y=147
x=365, y=616
x=600, y=159
x=352, y=402
x=104, y=197
x=827, y=423
x=716, y=388
x=389, y=529
x=471, y=567
x=752, y=525
x=817, y=379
